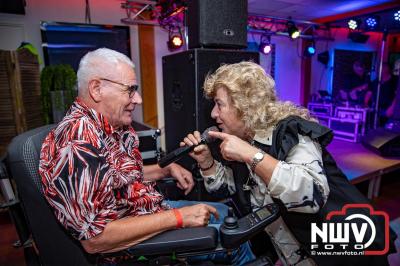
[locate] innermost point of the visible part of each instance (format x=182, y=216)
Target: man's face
x=226, y=115
x=358, y=69
x=116, y=104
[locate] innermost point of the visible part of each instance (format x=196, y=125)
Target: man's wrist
x=179, y=219
x=165, y=171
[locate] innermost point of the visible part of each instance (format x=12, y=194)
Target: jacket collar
x=264, y=136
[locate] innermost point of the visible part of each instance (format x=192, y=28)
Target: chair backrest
x=55, y=245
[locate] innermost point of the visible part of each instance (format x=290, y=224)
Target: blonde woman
x=271, y=151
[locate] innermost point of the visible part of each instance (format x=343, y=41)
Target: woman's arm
x=218, y=179
x=300, y=181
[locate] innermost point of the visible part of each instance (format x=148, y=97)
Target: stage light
x=353, y=24
x=310, y=49
x=397, y=16
x=372, y=22
x=265, y=46
x=175, y=39
x=292, y=30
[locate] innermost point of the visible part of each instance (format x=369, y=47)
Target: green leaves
x=57, y=78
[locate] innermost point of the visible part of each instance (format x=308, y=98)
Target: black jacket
x=285, y=137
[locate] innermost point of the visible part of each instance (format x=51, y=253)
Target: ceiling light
x=397, y=16
x=265, y=46
x=372, y=22
x=175, y=39
x=292, y=30
x=310, y=49
x=353, y=24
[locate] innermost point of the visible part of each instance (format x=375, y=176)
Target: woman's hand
x=234, y=148
x=200, y=153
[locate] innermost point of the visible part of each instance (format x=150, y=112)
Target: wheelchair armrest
x=179, y=241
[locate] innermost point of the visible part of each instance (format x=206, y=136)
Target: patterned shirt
x=92, y=174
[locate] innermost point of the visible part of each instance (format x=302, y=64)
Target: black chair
x=54, y=244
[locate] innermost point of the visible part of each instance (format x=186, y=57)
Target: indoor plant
x=58, y=91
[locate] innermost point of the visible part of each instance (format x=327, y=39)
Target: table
x=360, y=164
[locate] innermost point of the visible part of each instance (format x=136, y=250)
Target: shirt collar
x=264, y=136
x=100, y=120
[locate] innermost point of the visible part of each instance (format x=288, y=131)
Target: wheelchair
x=53, y=245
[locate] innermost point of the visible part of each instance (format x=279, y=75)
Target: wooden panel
x=20, y=105
x=30, y=84
x=7, y=118
x=148, y=75
x=13, y=72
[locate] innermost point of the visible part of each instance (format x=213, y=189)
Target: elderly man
x=92, y=171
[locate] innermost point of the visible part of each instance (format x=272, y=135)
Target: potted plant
x=58, y=91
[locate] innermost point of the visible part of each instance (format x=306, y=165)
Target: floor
x=9, y=255
x=388, y=200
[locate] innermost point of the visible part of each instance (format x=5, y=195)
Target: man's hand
x=197, y=215
x=182, y=176
x=234, y=148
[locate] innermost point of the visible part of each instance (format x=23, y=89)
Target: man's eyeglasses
x=131, y=89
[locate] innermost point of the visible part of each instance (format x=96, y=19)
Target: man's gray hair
x=98, y=63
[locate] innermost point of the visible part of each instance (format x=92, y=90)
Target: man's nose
x=137, y=98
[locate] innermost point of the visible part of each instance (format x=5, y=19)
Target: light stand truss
x=134, y=12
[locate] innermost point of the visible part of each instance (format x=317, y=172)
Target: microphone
x=181, y=151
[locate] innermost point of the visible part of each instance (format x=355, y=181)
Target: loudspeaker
x=358, y=37
x=383, y=142
x=217, y=23
x=13, y=6
x=323, y=58
x=185, y=107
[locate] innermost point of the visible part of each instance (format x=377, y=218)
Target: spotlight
x=372, y=22
x=265, y=46
x=397, y=16
x=292, y=30
x=175, y=39
x=353, y=24
x=310, y=49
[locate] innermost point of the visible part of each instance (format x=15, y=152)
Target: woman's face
x=226, y=115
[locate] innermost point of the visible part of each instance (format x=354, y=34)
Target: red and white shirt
x=92, y=174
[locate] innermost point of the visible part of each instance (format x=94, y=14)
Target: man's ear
x=94, y=90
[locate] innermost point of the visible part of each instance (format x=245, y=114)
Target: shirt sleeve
x=222, y=183
x=80, y=190
x=300, y=181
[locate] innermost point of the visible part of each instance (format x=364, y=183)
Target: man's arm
x=126, y=232
x=154, y=172
x=182, y=176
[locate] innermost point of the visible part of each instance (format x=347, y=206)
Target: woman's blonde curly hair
x=252, y=92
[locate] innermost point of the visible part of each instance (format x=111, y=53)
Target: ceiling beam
x=359, y=12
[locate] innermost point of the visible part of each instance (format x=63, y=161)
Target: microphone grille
x=206, y=137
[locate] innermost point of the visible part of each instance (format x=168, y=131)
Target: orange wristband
x=179, y=220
